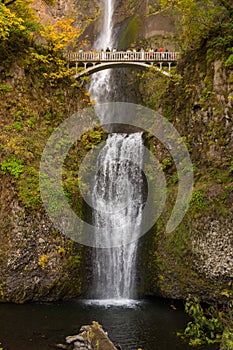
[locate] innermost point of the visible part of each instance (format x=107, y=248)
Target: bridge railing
x=122, y=56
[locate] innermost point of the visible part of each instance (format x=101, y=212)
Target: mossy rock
x=130, y=33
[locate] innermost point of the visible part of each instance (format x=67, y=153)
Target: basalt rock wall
x=197, y=258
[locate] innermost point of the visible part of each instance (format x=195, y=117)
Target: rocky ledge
x=90, y=337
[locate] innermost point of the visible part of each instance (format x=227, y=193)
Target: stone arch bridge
x=87, y=63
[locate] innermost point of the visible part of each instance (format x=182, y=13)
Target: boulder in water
x=91, y=337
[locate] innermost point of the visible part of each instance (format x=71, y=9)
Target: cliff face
x=83, y=11
x=133, y=20
x=86, y=15
x=198, y=257
x=36, y=261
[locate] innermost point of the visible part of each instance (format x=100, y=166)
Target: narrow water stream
x=101, y=86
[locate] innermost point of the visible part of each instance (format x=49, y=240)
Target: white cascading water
x=118, y=197
x=100, y=83
x=117, y=194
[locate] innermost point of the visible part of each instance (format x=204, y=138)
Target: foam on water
x=124, y=303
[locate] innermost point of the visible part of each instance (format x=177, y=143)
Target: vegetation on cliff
x=37, y=93
x=202, y=21
x=196, y=259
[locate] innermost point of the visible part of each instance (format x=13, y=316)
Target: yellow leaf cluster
x=23, y=10
x=40, y=58
x=18, y=18
x=54, y=77
x=183, y=6
x=59, y=35
x=43, y=259
x=9, y=22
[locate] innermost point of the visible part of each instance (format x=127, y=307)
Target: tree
x=198, y=20
x=18, y=20
x=61, y=34
x=9, y=22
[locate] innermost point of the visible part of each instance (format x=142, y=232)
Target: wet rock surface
x=90, y=337
x=218, y=238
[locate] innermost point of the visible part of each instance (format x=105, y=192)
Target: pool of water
x=147, y=324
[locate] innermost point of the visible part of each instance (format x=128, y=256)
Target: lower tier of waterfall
x=118, y=196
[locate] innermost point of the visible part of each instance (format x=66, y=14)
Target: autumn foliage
x=61, y=34
x=9, y=22
x=41, y=47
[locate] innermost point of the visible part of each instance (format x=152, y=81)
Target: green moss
x=18, y=126
x=5, y=88
x=130, y=33
x=227, y=339
x=14, y=166
x=169, y=262
x=2, y=294
x=29, y=192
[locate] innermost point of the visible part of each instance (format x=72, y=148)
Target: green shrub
x=227, y=340
x=209, y=326
x=13, y=166
x=92, y=138
x=198, y=201
x=205, y=327
x=18, y=126
x=229, y=61
x=167, y=163
x=5, y=88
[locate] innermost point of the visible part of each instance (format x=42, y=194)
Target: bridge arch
x=101, y=66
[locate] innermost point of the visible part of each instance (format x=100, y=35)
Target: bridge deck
x=90, y=62
x=123, y=56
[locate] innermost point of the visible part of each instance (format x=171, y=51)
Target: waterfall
x=118, y=197
x=117, y=193
x=100, y=86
